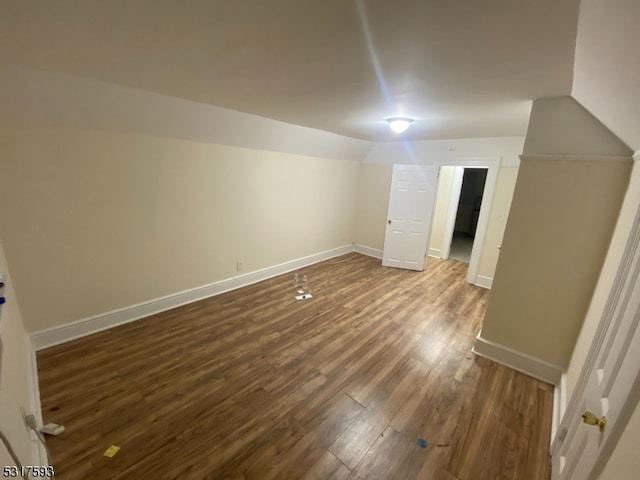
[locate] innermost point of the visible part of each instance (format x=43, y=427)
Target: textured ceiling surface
x=460, y=68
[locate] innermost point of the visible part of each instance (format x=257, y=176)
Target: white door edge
x=483, y=220
x=450, y=222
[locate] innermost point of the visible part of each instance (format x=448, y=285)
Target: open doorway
x=467, y=214
x=457, y=212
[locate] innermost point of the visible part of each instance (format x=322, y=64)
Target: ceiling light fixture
x=399, y=124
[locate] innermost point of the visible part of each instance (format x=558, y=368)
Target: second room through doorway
x=457, y=210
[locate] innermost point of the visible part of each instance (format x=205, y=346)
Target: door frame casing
x=492, y=164
x=454, y=200
x=450, y=221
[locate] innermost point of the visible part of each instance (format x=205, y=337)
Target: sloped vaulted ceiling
x=607, y=66
x=460, y=68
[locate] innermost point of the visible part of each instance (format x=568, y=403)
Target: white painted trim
x=563, y=394
x=636, y=156
x=559, y=405
x=435, y=252
x=555, y=414
x=450, y=221
x=483, y=217
x=493, y=166
x=519, y=361
x=484, y=282
x=38, y=452
x=369, y=251
x=80, y=328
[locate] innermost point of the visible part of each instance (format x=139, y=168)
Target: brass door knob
x=592, y=419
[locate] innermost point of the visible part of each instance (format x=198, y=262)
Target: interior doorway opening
x=457, y=212
x=413, y=219
x=467, y=214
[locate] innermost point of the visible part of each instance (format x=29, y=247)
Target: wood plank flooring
x=253, y=384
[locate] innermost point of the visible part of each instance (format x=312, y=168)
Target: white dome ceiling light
x=399, y=124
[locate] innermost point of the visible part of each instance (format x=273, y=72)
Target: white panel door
x=409, y=218
x=615, y=373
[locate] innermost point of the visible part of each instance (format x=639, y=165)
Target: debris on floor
x=422, y=443
x=111, y=451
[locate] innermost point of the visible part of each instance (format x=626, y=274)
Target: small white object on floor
x=52, y=429
x=300, y=292
x=304, y=296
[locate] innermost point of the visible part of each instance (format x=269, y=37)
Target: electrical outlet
x=239, y=266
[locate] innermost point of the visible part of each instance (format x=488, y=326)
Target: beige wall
x=443, y=200
x=96, y=221
x=607, y=65
x=625, y=461
x=497, y=221
x=14, y=386
x=605, y=282
x=372, y=204
x=560, y=225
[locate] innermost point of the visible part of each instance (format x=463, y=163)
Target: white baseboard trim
x=371, y=252
x=80, y=328
x=482, y=281
x=435, y=252
x=519, y=361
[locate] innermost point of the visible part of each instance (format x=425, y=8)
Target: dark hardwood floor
x=254, y=384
